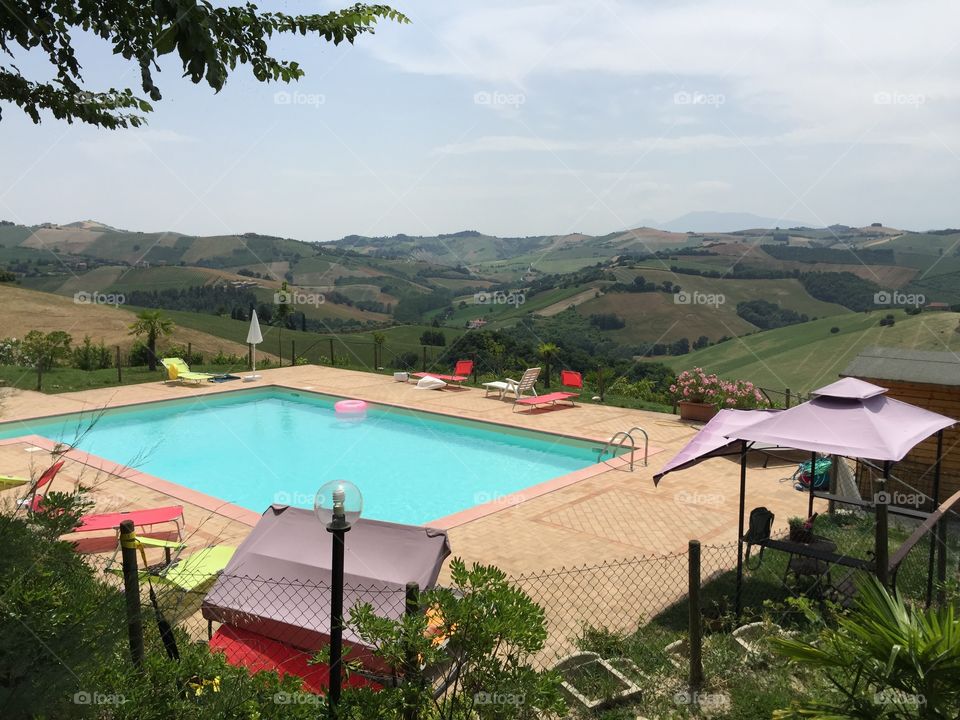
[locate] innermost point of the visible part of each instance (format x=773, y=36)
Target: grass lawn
x=61, y=380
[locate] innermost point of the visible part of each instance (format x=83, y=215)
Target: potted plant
x=698, y=395
x=801, y=530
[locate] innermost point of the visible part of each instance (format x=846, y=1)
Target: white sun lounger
x=517, y=387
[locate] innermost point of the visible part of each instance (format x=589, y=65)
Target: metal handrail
x=646, y=442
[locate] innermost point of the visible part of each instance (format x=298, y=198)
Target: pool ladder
x=618, y=440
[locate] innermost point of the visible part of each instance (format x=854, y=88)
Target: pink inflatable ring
x=350, y=408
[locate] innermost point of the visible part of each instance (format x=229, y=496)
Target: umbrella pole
x=936, y=504
x=881, y=550
x=743, y=499
x=813, y=481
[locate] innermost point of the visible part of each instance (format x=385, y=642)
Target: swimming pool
x=272, y=445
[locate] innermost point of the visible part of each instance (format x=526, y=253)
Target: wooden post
x=786, y=394
x=190, y=351
x=119, y=371
x=293, y=352
x=411, y=669
x=694, y=620
x=881, y=547
x=131, y=590
x=424, y=364
x=601, y=382
x=332, y=363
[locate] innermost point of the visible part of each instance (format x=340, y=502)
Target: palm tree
x=154, y=325
x=547, y=351
x=379, y=340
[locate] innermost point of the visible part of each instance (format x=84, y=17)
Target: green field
x=807, y=356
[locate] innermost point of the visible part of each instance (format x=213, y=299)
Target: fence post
x=293, y=352
x=411, y=662
x=786, y=394
x=695, y=626
x=190, y=351
x=131, y=590
x=424, y=364
x=119, y=371
x=601, y=382
x=332, y=363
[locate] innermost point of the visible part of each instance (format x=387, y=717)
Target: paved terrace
x=613, y=514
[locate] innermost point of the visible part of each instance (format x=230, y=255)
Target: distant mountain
x=723, y=222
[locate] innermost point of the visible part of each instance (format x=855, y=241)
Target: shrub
x=834, y=330
x=92, y=357
x=139, y=354
x=187, y=355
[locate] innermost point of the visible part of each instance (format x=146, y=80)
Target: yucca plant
x=886, y=660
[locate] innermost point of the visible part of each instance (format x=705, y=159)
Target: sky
x=521, y=118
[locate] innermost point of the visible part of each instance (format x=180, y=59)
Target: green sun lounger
x=9, y=481
x=179, y=371
x=185, y=574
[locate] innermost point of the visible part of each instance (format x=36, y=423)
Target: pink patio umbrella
x=850, y=417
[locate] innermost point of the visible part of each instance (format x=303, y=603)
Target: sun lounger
x=10, y=481
x=185, y=574
x=568, y=378
x=109, y=521
x=461, y=373
x=179, y=371
x=517, y=387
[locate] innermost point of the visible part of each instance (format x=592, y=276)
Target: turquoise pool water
x=254, y=448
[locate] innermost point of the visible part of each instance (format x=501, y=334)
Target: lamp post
x=337, y=504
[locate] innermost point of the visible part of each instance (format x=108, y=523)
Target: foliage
x=153, y=325
x=434, y=338
x=43, y=351
x=843, y=288
x=185, y=353
x=91, y=357
x=10, y=353
x=486, y=632
x=886, y=659
x=607, y=321
x=768, y=315
x=210, y=41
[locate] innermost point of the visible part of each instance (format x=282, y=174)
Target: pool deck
x=611, y=514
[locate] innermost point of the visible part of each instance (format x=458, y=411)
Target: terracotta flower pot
x=697, y=411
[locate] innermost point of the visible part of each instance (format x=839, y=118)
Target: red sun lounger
x=548, y=399
x=110, y=521
x=461, y=373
